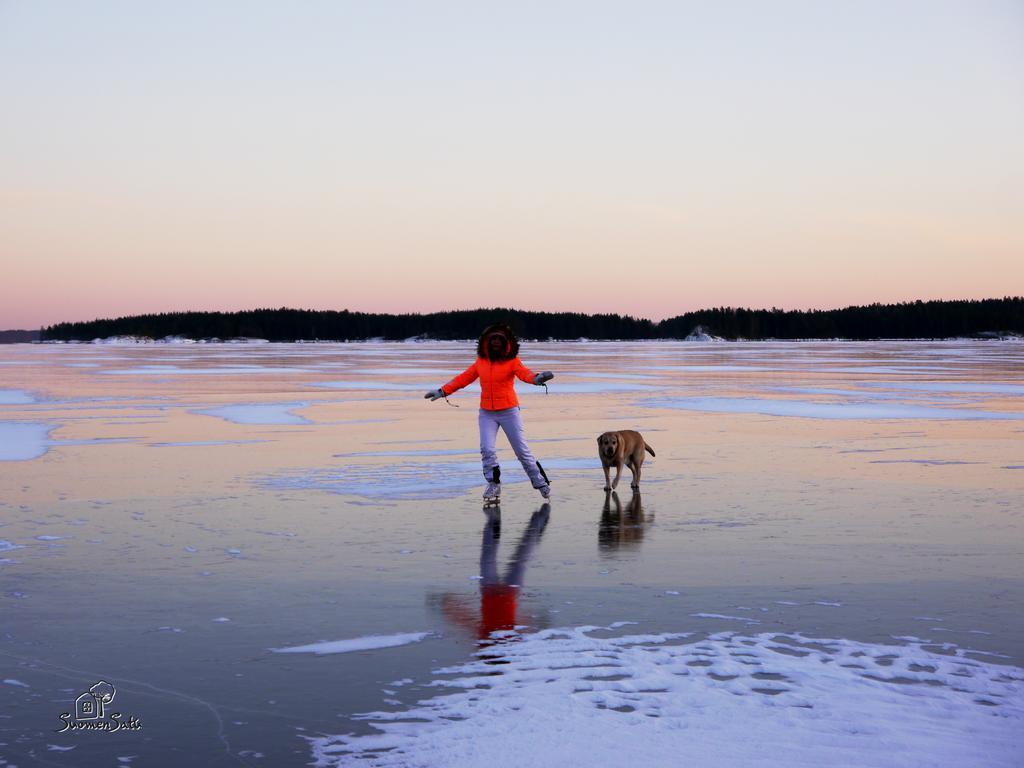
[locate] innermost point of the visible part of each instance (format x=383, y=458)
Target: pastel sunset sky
x=635, y=157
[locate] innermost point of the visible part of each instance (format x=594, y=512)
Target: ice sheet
x=411, y=480
x=558, y=386
x=683, y=369
x=383, y=386
x=811, y=409
x=970, y=387
x=197, y=443
x=410, y=452
x=563, y=387
x=746, y=519
x=442, y=373
x=227, y=370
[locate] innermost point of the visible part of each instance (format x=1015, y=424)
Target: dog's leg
x=607, y=479
x=618, y=474
x=634, y=464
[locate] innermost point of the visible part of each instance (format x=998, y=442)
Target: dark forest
x=910, y=320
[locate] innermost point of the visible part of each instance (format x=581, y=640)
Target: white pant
x=510, y=420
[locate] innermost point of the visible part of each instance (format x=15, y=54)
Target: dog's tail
x=649, y=449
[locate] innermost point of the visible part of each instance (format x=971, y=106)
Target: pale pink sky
x=650, y=158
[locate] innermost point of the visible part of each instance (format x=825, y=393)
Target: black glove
x=543, y=377
x=434, y=394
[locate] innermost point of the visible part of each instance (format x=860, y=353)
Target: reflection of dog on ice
x=498, y=597
x=621, y=527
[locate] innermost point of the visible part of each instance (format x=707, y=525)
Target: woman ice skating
x=496, y=364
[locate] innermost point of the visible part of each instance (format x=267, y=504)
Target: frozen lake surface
x=277, y=554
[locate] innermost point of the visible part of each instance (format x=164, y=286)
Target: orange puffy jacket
x=497, y=390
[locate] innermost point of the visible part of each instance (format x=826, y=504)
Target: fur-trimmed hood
x=511, y=349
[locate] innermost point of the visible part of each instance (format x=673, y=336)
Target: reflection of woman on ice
x=496, y=364
x=498, y=597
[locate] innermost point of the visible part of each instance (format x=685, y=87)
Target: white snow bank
x=123, y=340
x=563, y=697
x=367, y=643
x=700, y=333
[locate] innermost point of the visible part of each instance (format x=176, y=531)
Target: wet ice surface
x=408, y=480
x=306, y=498
x=813, y=409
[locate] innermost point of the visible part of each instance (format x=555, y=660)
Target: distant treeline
x=919, y=319
x=909, y=320
x=18, y=337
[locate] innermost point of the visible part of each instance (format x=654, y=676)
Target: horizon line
x=514, y=309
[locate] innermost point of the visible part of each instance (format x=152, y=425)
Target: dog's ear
x=599, y=439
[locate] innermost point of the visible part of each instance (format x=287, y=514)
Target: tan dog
x=618, y=448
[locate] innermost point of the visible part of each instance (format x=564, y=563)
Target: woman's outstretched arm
x=464, y=379
x=522, y=372
x=525, y=374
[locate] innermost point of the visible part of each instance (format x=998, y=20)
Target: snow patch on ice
x=567, y=697
x=367, y=643
x=15, y=397
x=745, y=619
x=21, y=441
x=262, y=413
